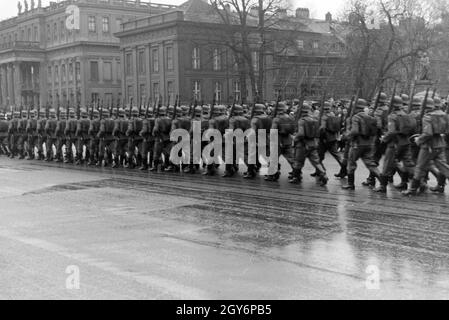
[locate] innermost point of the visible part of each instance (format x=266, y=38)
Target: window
x=56, y=74
x=170, y=92
x=197, y=90
x=316, y=45
x=170, y=58
x=78, y=71
x=156, y=90
x=217, y=59
x=143, y=94
x=29, y=35
x=94, y=71
x=55, y=31
x=141, y=62
x=196, y=62
x=71, y=72
x=92, y=24
x=64, y=73
x=48, y=32
x=36, y=34
x=130, y=93
x=129, y=64
x=119, y=70
x=300, y=44
x=107, y=71
x=218, y=91
x=106, y=24
x=237, y=92
x=62, y=30
x=118, y=23
x=49, y=75
x=155, y=60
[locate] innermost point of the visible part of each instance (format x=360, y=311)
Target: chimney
x=302, y=13
x=282, y=13
x=328, y=17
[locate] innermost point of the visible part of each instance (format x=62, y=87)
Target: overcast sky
x=318, y=7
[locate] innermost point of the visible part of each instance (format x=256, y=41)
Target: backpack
x=407, y=124
x=333, y=124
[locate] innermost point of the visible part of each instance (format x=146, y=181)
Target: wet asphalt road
x=136, y=235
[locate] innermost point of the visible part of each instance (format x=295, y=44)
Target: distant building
x=43, y=61
x=182, y=51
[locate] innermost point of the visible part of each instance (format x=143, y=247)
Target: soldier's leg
x=422, y=163
x=101, y=152
x=144, y=154
x=79, y=151
x=19, y=146
x=314, y=158
x=157, y=156
x=282, y=152
x=344, y=162
x=353, y=156
x=298, y=164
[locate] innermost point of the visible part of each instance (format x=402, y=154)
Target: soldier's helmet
x=96, y=114
x=282, y=108
x=143, y=112
x=397, y=102
x=259, y=109
x=150, y=112
x=184, y=110
x=2, y=116
x=221, y=110
x=327, y=106
x=42, y=113
x=238, y=110
x=121, y=113
x=71, y=113
x=52, y=113
x=33, y=113
x=170, y=111
x=135, y=112
x=416, y=103
x=361, y=104
x=8, y=116
x=383, y=98
x=114, y=112
x=430, y=104
x=205, y=111
x=198, y=111
x=405, y=99
x=105, y=113
x=83, y=113
x=306, y=109
x=296, y=101
x=24, y=114
x=16, y=114
x=62, y=114
x=437, y=102
x=162, y=111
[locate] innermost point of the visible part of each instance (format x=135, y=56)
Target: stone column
x=9, y=76
x=17, y=84
x=4, y=85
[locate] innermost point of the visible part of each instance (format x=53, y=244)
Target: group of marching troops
x=411, y=135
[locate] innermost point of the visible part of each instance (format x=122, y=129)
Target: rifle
x=38, y=111
x=147, y=110
x=412, y=93
x=300, y=107
x=390, y=107
x=92, y=110
x=212, y=108
x=233, y=108
x=175, y=109
x=131, y=108
x=275, y=112
x=424, y=105
x=323, y=100
x=78, y=111
x=101, y=110
x=140, y=106
x=195, y=104
x=58, y=112
x=376, y=103
x=352, y=105
x=158, y=106
x=67, y=111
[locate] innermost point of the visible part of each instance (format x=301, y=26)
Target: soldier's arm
x=275, y=124
x=156, y=127
x=102, y=130
x=391, y=132
x=427, y=131
x=144, y=130
x=300, y=134
x=354, y=132
x=130, y=129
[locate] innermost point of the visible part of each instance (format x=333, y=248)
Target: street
x=134, y=235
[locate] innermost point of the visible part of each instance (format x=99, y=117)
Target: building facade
x=65, y=53
x=182, y=51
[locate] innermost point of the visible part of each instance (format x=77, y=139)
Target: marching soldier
x=60, y=136
x=70, y=138
x=82, y=136
x=362, y=132
x=400, y=127
x=286, y=128
x=13, y=135
x=162, y=144
x=330, y=127
x=94, y=141
x=50, y=130
x=380, y=147
x=22, y=136
x=31, y=127
x=306, y=147
x=237, y=121
x=432, y=147
x=182, y=122
x=220, y=122
x=260, y=121
x=106, y=138
x=121, y=141
x=41, y=133
x=197, y=116
x=147, y=139
x=134, y=139
x=4, y=125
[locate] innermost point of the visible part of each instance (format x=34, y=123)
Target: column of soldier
x=411, y=135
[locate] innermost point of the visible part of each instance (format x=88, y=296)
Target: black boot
x=404, y=181
x=413, y=189
x=370, y=181
x=229, y=171
x=441, y=184
x=210, y=170
x=343, y=173
x=296, y=177
x=251, y=173
x=382, y=185
x=351, y=181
